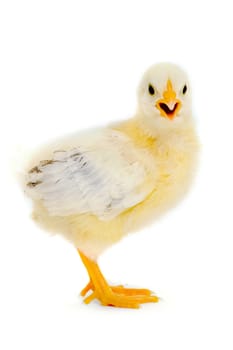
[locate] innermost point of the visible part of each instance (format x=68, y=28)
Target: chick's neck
x=142, y=137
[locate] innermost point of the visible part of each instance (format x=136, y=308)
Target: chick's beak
x=169, y=105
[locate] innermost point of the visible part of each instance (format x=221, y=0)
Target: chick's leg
x=112, y=296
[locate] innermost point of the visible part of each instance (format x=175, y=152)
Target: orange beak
x=169, y=105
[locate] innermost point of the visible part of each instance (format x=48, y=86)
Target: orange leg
x=115, y=296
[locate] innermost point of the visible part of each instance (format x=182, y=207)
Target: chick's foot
x=112, y=296
x=119, y=300
x=119, y=296
x=119, y=290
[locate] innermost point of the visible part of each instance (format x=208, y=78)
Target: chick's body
x=97, y=187
x=167, y=162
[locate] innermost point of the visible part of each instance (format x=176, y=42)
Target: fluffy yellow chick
x=96, y=187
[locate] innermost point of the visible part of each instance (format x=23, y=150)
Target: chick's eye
x=184, y=89
x=151, y=90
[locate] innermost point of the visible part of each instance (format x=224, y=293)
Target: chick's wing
x=103, y=177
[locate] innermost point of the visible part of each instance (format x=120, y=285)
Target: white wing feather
x=103, y=177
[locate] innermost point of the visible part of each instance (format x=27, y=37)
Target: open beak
x=169, y=105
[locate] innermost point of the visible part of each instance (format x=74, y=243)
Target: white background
x=68, y=65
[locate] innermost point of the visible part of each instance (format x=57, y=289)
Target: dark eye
x=184, y=89
x=151, y=89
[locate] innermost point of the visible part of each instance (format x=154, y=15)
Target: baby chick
x=96, y=187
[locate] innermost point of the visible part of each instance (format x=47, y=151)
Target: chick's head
x=164, y=98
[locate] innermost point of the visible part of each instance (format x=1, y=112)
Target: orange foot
x=112, y=296
x=119, y=296
x=119, y=290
